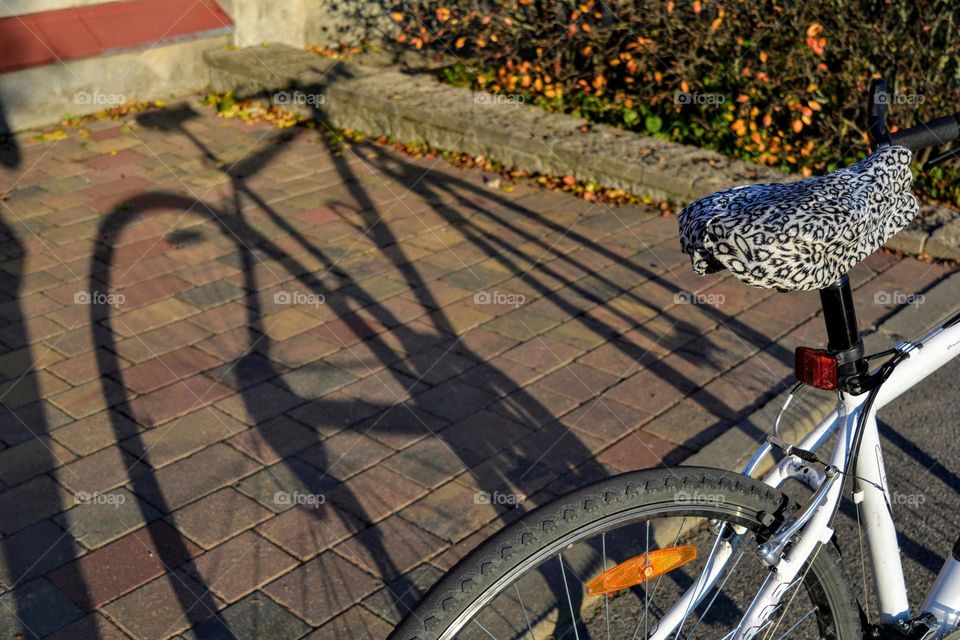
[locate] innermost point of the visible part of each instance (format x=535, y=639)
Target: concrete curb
x=412, y=106
x=733, y=448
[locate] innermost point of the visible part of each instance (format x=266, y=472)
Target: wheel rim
x=568, y=613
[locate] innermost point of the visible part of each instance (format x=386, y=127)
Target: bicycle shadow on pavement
x=331, y=415
x=32, y=544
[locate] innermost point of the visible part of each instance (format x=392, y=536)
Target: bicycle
x=744, y=559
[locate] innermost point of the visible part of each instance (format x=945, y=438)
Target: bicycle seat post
x=843, y=333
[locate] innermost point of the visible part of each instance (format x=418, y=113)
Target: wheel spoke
x=485, y=630
x=656, y=585
x=798, y=623
x=525, y=616
x=699, y=582
x=719, y=593
x=566, y=588
x=606, y=600
x=796, y=589
x=745, y=545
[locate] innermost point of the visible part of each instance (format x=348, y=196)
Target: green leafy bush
x=779, y=83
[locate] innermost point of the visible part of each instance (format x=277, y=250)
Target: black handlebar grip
x=930, y=134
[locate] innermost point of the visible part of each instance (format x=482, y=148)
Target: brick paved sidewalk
x=254, y=389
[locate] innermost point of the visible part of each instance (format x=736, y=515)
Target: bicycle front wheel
x=528, y=581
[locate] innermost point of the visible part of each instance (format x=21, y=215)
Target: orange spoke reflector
x=639, y=569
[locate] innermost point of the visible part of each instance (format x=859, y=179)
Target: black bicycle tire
x=465, y=583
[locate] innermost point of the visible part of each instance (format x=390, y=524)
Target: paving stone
x=274, y=440
x=95, y=432
x=688, y=425
x=180, y=438
x=166, y=369
x=606, y=419
x=305, y=532
x=454, y=401
x=158, y=314
x=34, y=610
x=300, y=350
x=246, y=372
x=256, y=617
x=212, y=294
x=649, y=392
x=534, y=405
x=401, y=425
x=94, y=625
x=101, y=471
x=231, y=345
x=186, y=480
x=641, y=450
x=157, y=342
x=79, y=369
x=241, y=565
x=34, y=551
x=543, y=354
x=322, y=588
x=156, y=610
x=390, y=548
x=90, y=398
x=397, y=599
x=345, y=454
x=178, y=399
x=31, y=502
x=386, y=387
x=94, y=520
x=218, y=517
x=31, y=458
x=123, y=565
x=435, y=365
x=274, y=486
x=260, y=403
x=356, y=623
x=430, y=462
x=450, y=512
x=382, y=423
x=578, y=381
x=315, y=380
x=375, y=493
x=482, y=435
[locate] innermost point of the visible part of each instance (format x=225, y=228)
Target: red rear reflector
x=816, y=367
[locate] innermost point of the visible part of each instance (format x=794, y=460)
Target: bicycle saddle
x=801, y=235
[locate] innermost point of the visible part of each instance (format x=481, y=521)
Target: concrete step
x=412, y=105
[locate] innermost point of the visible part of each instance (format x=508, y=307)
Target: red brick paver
x=302, y=402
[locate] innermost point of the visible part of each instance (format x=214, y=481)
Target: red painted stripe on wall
x=82, y=32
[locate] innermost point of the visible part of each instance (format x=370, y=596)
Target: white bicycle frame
x=924, y=356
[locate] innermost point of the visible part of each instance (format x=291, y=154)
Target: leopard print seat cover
x=801, y=235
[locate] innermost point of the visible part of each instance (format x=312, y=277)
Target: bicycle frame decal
x=926, y=355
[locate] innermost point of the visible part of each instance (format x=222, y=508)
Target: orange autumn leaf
x=569, y=180
x=443, y=14
x=797, y=126
x=460, y=42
